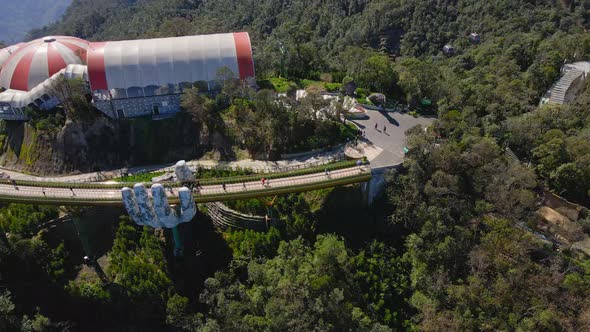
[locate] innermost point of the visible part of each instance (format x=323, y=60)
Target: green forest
x=452, y=245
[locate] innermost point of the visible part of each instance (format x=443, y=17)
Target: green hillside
x=468, y=236
x=20, y=16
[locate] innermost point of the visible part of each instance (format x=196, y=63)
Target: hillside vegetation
x=453, y=245
x=20, y=16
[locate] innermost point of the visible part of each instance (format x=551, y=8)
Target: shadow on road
x=390, y=118
x=361, y=126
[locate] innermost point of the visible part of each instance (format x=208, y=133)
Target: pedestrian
x=244, y=185
x=376, y=126
x=263, y=180
x=327, y=172
x=43, y=191
x=223, y=186
x=384, y=129
x=267, y=182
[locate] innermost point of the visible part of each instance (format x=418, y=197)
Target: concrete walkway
x=258, y=166
x=112, y=196
x=392, y=140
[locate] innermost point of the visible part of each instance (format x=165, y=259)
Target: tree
x=302, y=288
x=137, y=262
x=178, y=313
x=72, y=95
x=200, y=108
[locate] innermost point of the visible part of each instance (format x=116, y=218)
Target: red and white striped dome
x=37, y=60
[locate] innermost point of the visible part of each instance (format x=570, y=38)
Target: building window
x=118, y=93
x=134, y=92
x=185, y=86
x=150, y=90
x=203, y=86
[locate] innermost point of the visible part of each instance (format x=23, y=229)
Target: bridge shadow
x=15, y=131
x=389, y=118
x=344, y=213
x=205, y=252
x=361, y=126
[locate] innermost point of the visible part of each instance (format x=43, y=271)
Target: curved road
x=251, y=189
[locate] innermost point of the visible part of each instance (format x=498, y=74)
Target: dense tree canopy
x=452, y=244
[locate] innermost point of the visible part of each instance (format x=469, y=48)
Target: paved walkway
x=257, y=166
x=56, y=195
x=392, y=140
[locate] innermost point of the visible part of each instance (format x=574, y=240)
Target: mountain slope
x=20, y=16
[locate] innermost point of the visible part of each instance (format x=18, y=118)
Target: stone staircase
x=225, y=218
x=561, y=88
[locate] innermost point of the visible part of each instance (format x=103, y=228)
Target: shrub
x=362, y=93
x=333, y=87
x=281, y=84
x=326, y=77
x=347, y=79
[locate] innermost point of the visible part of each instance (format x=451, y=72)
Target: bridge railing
x=209, y=194
x=314, y=178
x=209, y=181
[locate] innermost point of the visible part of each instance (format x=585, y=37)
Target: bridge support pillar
x=178, y=243
x=376, y=186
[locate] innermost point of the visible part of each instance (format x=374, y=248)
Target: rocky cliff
x=104, y=144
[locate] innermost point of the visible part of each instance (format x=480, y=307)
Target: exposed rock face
x=105, y=144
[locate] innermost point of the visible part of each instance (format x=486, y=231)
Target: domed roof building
x=125, y=78
x=6, y=52
x=36, y=61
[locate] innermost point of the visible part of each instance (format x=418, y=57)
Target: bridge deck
x=61, y=194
